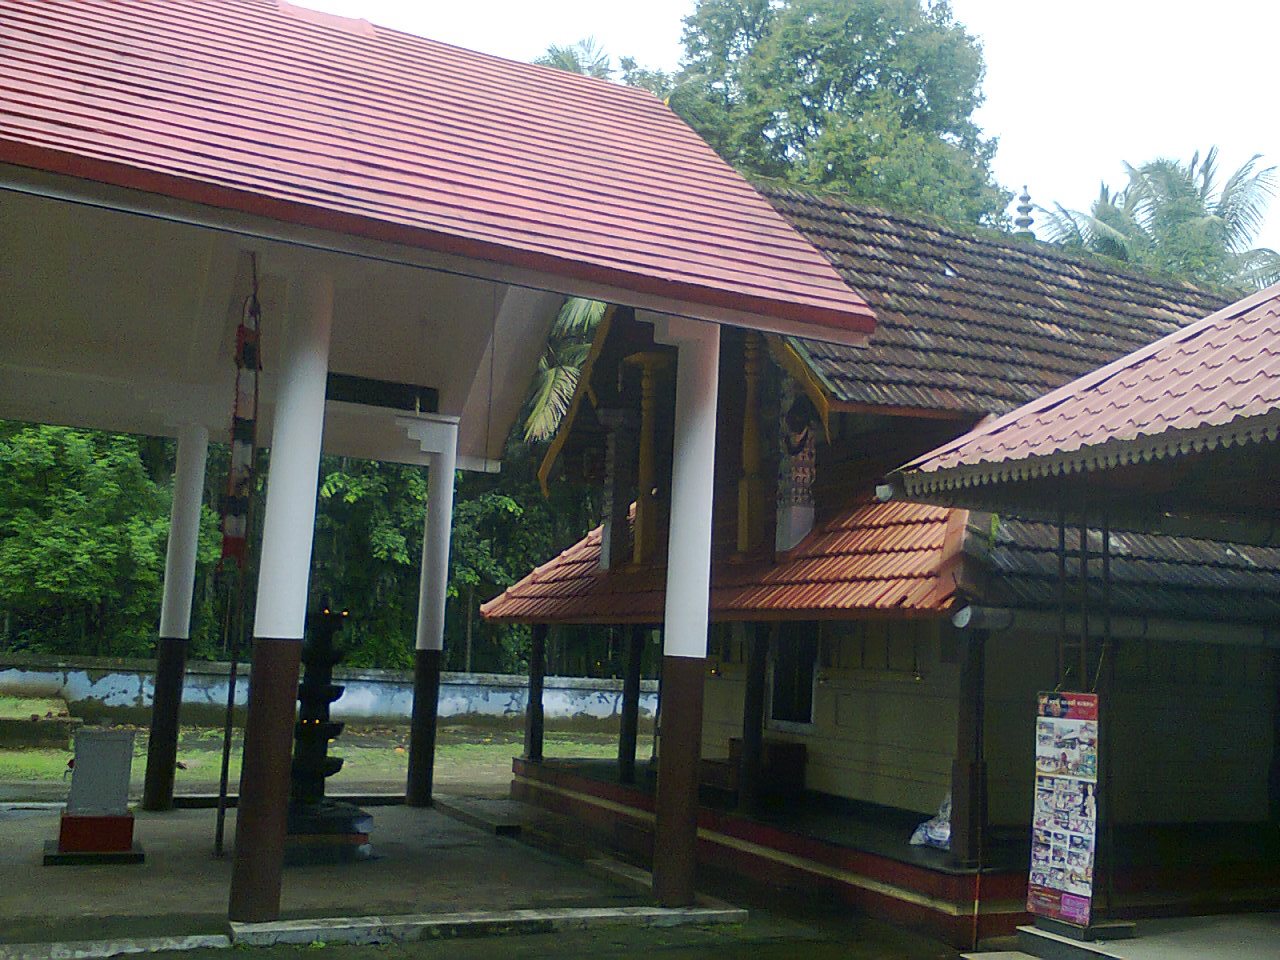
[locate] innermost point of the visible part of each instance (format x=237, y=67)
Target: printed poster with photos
x=1065, y=818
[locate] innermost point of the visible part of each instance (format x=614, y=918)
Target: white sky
x=1073, y=87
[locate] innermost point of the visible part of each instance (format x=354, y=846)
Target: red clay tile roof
x=974, y=322
x=889, y=559
x=1213, y=384
x=255, y=106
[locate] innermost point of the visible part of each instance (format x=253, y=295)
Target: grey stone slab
x=97, y=949
x=409, y=927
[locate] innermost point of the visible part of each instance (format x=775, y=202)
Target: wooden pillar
x=751, y=760
x=969, y=770
x=423, y=720
x=688, y=591
x=630, y=728
x=175, y=616
x=280, y=617
x=533, y=710
x=751, y=487
x=1273, y=780
x=645, y=529
x=440, y=439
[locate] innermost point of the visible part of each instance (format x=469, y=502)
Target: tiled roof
x=974, y=322
x=1176, y=578
x=1213, y=384
x=899, y=559
x=264, y=108
x=872, y=559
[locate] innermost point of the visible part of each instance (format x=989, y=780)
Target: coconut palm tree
x=1178, y=219
x=559, y=366
x=586, y=57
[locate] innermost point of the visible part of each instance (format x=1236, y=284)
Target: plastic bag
x=936, y=831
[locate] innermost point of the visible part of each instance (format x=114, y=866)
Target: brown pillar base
x=629, y=730
x=262, y=815
x=676, y=838
x=162, y=745
x=422, y=729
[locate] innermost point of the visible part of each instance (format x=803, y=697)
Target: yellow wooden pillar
x=645, y=539
x=751, y=490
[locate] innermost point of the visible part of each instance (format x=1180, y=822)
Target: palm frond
x=552, y=394
x=1258, y=268
x=1063, y=226
x=1243, y=203
x=578, y=317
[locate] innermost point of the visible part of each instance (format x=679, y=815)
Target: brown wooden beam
x=166, y=704
x=533, y=721
x=751, y=760
x=969, y=770
x=630, y=727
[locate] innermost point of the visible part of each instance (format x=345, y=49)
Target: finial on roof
x=1023, y=221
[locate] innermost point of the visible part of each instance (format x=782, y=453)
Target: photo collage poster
x=1065, y=818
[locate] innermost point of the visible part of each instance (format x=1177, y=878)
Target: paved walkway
x=425, y=862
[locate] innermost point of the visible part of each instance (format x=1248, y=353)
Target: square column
x=175, y=616
x=687, y=602
x=437, y=436
x=281, y=613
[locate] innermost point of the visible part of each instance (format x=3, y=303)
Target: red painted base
x=89, y=834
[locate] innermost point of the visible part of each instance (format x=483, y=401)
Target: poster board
x=1064, y=826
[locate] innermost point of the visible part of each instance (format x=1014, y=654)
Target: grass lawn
x=24, y=708
x=374, y=756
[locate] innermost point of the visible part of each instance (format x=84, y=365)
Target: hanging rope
x=237, y=515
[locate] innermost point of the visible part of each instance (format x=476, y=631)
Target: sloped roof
x=1178, y=578
x=974, y=322
x=874, y=559
x=1213, y=384
x=901, y=560
x=261, y=107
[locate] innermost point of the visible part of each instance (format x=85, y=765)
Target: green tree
x=83, y=527
x=872, y=97
x=1180, y=219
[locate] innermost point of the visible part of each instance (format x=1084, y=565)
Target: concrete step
x=998, y=955
x=1048, y=945
x=494, y=815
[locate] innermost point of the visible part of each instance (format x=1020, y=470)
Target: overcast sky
x=1073, y=87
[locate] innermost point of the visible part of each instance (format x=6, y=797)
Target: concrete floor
x=1242, y=937
x=425, y=862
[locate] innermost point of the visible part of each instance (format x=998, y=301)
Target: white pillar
x=289, y=526
x=434, y=577
x=688, y=599
x=288, y=532
x=184, y=532
x=692, y=483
